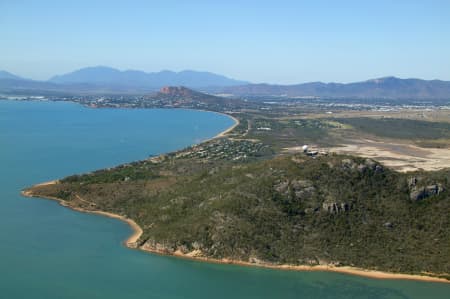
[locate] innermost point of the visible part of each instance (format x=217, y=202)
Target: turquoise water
x=47, y=251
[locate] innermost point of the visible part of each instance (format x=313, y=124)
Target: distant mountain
x=107, y=76
x=31, y=87
x=8, y=75
x=106, y=80
x=10, y=83
x=387, y=87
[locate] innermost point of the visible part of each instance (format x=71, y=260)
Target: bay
x=47, y=251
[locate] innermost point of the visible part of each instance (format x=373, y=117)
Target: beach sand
x=132, y=242
x=196, y=256
x=236, y=123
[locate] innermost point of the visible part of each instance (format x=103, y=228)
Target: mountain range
x=132, y=78
x=387, y=87
x=101, y=79
x=106, y=80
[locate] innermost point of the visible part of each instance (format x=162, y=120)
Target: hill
x=295, y=210
x=387, y=87
x=180, y=96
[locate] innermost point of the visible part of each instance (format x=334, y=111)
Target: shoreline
x=226, y=131
x=131, y=242
x=374, y=274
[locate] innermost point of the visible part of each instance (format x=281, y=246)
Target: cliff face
x=291, y=210
x=177, y=91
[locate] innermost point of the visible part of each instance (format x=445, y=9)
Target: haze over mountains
x=103, y=79
x=133, y=78
x=387, y=87
x=98, y=80
x=8, y=75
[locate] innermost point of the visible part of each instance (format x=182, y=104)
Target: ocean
x=47, y=251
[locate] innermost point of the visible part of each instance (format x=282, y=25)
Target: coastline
x=131, y=242
x=374, y=274
x=226, y=131
x=196, y=255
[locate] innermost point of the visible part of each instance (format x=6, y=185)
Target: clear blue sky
x=259, y=41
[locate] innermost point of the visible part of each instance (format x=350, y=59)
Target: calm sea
x=47, y=251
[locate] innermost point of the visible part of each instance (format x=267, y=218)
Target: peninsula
x=255, y=196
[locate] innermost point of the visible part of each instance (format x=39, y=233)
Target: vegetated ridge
x=293, y=209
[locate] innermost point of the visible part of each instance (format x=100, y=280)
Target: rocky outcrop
x=368, y=164
x=348, y=164
x=282, y=187
x=420, y=192
x=296, y=189
x=303, y=189
x=175, y=91
x=412, y=182
x=152, y=245
x=194, y=250
x=334, y=207
x=300, y=184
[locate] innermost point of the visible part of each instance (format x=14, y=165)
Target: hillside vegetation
x=243, y=197
x=285, y=210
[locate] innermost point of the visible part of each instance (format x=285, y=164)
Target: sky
x=280, y=41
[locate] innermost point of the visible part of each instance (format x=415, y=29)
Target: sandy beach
x=47, y=183
x=195, y=255
x=236, y=123
x=132, y=242
x=225, y=132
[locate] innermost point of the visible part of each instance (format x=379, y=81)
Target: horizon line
x=248, y=82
